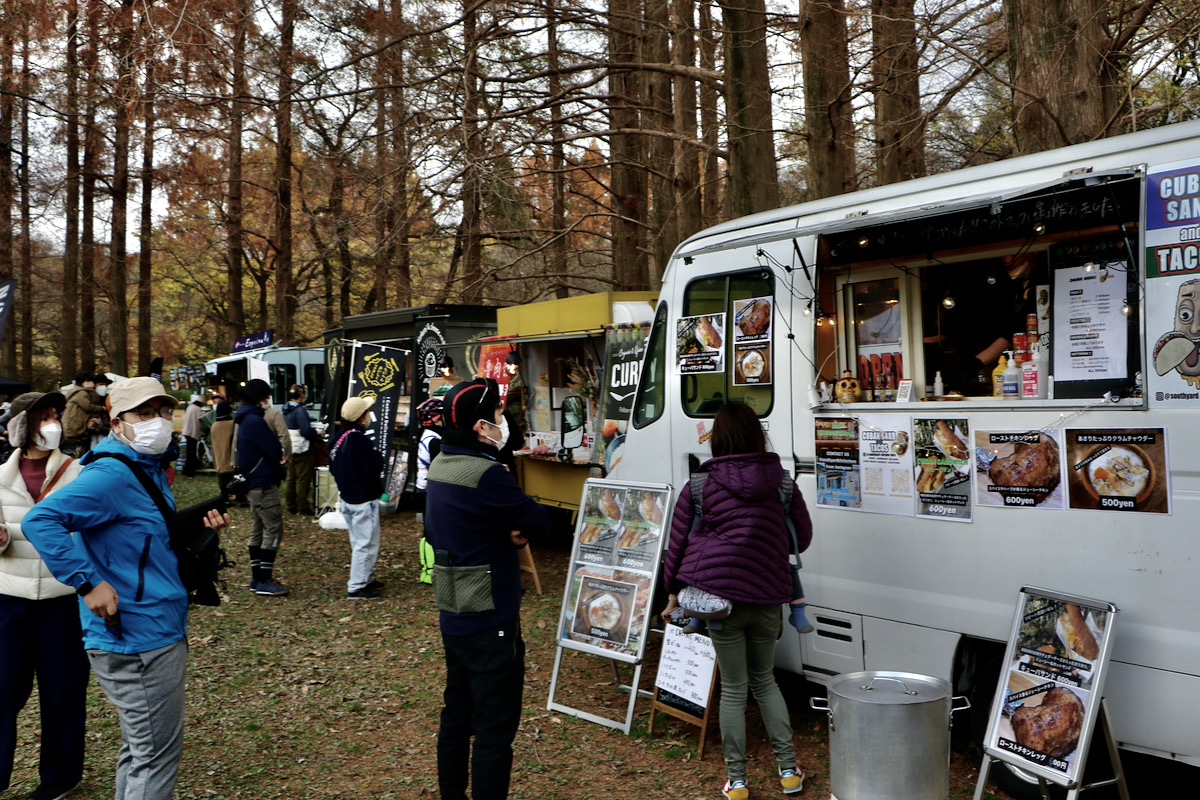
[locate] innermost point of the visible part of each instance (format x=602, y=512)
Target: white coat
x=22, y=572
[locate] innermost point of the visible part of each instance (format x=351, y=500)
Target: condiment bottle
x=1011, y=377
x=998, y=377
x=939, y=388
x=1033, y=376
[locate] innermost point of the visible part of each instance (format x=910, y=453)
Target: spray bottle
x=1033, y=375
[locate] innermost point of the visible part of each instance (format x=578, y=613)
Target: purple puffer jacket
x=740, y=551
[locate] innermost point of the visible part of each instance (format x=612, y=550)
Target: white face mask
x=151, y=437
x=51, y=436
x=102, y=389
x=503, y=426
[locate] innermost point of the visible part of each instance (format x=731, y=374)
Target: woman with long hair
x=739, y=551
x=40, y=632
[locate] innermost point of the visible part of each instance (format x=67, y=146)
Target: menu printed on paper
x=1090, y=333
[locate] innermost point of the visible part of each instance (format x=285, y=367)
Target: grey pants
x=745, y=645
x=267, y=513
x=148, y=691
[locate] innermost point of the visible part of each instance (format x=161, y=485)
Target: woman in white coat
x=40, y=634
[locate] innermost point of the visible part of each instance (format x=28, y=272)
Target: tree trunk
x=631, y=268
x=711, y=201
x=660, y=117
x=92, y=144
x=68, y=360
x=285, y=291
x=402, y=208
x=1060, y=63
x=753, y=179
x=8, y=192
x=899, y=122
x=376, y=299
x=117, y=268
x=828, y=112
x=25, y=287
x=145, y=239
x=558, y=178
x=687, y=155
x=472, y=185
x=234, y=210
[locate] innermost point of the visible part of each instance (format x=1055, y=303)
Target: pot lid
x=889, y=688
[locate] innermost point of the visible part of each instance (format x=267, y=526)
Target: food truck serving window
x=1050, y=276
x=723, y=342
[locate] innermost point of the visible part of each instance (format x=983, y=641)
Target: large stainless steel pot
x=889, y=735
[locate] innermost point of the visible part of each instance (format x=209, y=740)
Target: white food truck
x=864, y=330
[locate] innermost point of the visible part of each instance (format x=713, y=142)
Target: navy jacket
x=472, y=505
x=357, y=467
x=296, y=417
x=258, y=449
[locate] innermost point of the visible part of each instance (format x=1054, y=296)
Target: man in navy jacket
x=260, y=459
x=357, y=467
x=477, y=517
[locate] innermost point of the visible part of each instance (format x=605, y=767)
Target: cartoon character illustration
x=1179, y=349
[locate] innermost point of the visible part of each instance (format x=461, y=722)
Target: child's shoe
x=799, y=620
x=792, y=780
x=736, y=790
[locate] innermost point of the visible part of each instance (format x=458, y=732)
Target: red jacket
x=740, y=551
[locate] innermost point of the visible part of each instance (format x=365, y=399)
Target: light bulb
x=1126, y=309
x=948, y=301
x=808, y=309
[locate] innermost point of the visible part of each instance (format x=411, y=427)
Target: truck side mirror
x=571, y=422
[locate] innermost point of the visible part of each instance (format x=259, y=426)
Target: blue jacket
x=472, y=505
x=258, y=450
x=357, y=467
x=123, y=540
x=296, y=417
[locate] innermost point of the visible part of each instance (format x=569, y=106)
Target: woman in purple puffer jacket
x=740, y=552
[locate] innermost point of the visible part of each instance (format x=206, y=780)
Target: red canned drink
x=1020, y=341
x=1031, y=323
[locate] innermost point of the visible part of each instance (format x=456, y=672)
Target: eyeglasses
x=146, y=413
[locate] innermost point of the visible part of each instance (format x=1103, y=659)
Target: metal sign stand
x=1073, y=792
x=622, y=726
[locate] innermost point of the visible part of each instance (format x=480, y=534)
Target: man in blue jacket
x=132, y=602
x=477, y=517
x=298, y=484
x=260, y=459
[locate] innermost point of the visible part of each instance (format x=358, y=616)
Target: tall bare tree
x=145, y=240
x=895, y=73
x=118, y=278
x=285, y=293
x=8, y=184
x=631, y=267
x=68, y=359
x=827, y=98
x=234, y=205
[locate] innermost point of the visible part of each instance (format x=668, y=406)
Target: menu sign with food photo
x=942, y=468
x=1118, y=469
x=886, y=464
x=752, y=341
x=1019, y=469
x=700, y=343
x=617, y=552
x=1049, y=692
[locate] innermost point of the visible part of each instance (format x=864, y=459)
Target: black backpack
x=197, y=547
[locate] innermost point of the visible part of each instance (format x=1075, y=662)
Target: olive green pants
x=745, y=645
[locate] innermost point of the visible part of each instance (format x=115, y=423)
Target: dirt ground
x=316, y=696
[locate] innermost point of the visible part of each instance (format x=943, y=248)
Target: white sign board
x=687, y=664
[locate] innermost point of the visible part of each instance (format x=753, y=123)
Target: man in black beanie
x=476, y=519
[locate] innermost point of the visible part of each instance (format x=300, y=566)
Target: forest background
x=177, y=173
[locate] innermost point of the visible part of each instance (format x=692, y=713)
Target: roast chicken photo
x=1031, y=464
x=1053, y=726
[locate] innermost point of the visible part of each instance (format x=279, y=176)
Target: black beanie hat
x=470, y=401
